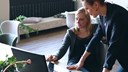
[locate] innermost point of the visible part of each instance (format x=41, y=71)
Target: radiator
x=39, y=8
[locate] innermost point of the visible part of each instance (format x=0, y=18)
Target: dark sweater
x=77, y=47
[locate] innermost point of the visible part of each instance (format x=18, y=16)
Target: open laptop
x=38, y=61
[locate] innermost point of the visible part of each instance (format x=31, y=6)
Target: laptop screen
x=38, y=61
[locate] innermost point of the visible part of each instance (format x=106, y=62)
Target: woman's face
x=81, y=20
x=92, y=9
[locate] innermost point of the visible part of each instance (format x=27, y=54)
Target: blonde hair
x=89, y=25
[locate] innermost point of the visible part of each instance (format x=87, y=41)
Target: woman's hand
x=105, y=70
x=72, y=67
x=76, y=66
x=52, y=58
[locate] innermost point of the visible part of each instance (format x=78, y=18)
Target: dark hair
x=91, y=2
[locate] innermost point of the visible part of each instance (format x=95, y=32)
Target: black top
x=77, y=47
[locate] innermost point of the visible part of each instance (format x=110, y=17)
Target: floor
x=47, y=43
x=44, y=43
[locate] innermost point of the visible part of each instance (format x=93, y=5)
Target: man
x=113, y=25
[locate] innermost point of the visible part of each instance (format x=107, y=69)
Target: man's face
x=92, y=9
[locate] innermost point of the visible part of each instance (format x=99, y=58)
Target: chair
x=9, y=39
x=10, y=26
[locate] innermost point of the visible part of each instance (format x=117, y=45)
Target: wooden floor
x=46, y=43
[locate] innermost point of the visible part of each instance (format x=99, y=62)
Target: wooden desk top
x=5, y=50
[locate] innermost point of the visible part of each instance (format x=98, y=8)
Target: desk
x=61, y=67
x=5, y=50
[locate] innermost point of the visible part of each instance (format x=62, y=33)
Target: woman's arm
x=63, y=49
x=65, y=45
x=82, y=59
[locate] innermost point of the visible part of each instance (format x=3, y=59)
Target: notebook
x=38, y=61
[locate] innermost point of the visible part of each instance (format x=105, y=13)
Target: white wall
x=4, y=10
x=79, y=4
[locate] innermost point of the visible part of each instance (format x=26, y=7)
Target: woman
x=76, y=39
x=113, y=25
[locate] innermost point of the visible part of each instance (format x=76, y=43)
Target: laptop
x=38, y=61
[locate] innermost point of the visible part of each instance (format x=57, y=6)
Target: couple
x=113, y=25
